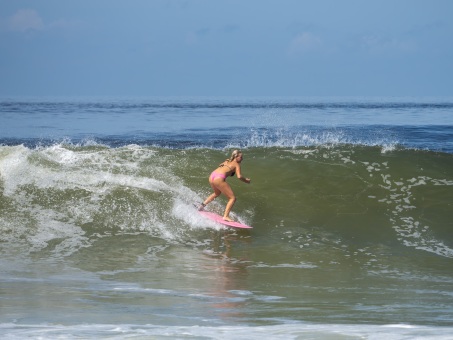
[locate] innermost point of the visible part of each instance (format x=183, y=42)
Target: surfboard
x=219, y=219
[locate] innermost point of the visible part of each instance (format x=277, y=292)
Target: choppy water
x=351, y=204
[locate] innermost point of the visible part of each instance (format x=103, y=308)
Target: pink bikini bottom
x=215, y=175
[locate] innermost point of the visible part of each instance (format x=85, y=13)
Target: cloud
x=303, y=43
x=25, y=20
x=376, y=44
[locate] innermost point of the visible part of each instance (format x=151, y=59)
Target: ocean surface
x=351, y=203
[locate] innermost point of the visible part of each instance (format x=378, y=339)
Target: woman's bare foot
x=227, y=219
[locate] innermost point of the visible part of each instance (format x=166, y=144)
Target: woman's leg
x=213, y=196
x=225, y=188
x=220, y=186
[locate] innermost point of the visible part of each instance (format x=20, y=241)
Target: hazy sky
x=226, y=48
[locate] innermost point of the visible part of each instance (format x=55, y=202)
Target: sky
x=261, y=48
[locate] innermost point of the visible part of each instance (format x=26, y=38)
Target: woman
x=217, y=179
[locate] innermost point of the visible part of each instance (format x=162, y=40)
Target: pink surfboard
x=219, y=219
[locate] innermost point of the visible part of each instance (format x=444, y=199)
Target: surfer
x=217, y=180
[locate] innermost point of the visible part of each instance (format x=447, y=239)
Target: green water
x=342, y=235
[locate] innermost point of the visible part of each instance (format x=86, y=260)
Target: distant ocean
x=351, y=202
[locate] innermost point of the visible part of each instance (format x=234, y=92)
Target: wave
x=239, y=138
x=388, y=138
x=348, y=200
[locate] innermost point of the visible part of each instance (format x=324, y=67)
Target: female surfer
x=217, y=180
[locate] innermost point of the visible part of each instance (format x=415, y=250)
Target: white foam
x=280, y=330
x=185, y=212
x=300, y=265
x=410, y=232
x=94, y=176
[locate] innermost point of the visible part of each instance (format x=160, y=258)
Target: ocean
x=351, y=203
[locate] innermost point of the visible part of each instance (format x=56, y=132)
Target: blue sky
x=226, y=48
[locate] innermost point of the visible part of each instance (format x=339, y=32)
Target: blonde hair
x=234, y=155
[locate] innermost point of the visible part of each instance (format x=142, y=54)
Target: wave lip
x=316, y=136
